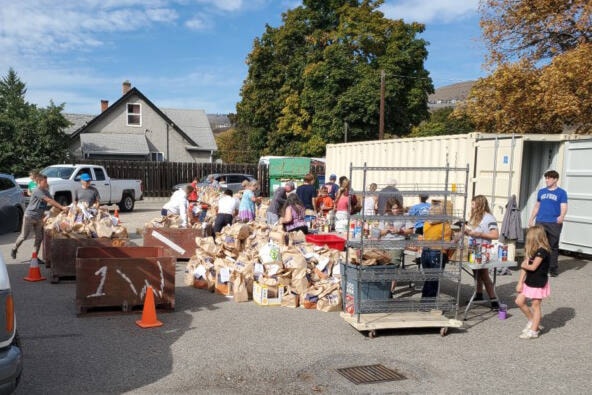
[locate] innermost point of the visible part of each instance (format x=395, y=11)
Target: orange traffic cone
x=34, y=271
x=116, y=215
x=149, y=312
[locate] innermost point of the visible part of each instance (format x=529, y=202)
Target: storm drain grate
x=370, y=374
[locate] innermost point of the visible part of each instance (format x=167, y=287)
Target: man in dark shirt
x=277, y=202
x=390, y=191
x=33, y=218
x=306, y=192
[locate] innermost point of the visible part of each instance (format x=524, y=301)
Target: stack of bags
x=267, y=264
x=82, y=222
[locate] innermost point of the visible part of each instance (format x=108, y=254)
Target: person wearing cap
x=389, y=191
x=420, y=209
x=332, y=186
x=277, y=202
x=87, y=193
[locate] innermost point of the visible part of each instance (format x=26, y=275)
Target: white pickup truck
x=65, y=179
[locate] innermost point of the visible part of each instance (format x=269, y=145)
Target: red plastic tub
x=331, y=241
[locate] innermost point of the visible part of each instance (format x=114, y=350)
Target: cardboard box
x=265, y=295
x=223, y=284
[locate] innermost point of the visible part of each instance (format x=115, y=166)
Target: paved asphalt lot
x=213, y=345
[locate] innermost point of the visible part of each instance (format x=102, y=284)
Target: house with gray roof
x=133, y=128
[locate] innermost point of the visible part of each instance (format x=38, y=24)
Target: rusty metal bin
x=117, y=277
x=47, y=238
x=60, y=253
x=176, y=242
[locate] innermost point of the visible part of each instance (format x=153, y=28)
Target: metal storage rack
x=367, y=302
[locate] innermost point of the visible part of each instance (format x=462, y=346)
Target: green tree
x=321, y=69
x=442, y=122
x=30, y=137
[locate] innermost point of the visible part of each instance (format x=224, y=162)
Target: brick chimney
x=104, y=105
x=125, y=87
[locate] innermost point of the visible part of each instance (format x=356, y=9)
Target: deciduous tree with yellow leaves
x=540, y=52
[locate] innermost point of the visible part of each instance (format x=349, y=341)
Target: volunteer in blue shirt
x=549, y=212
x=420, y=209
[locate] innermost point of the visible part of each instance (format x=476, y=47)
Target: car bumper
x=11, y=367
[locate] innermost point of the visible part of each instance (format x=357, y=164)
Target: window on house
x=134, y=114
x=157, y=156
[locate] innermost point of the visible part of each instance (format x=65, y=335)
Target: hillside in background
x=450, y=95
x=219, y=123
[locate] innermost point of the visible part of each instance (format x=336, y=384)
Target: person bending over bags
x=178, y=205
x=293, y=215
x=33, y=218
x=227, y=209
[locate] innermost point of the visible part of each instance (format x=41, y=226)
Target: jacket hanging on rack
x=511, y=224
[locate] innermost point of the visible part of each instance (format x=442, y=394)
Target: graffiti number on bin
x=103, y=273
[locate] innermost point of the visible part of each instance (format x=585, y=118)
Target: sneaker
x=529, y=326
x=553, y=273
x=13, y=253
x=494, y=305
x=530, y=334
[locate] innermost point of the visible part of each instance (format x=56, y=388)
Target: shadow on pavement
x=95, y=353
x=571, y=264
x=558, y=318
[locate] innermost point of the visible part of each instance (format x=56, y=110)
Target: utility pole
x=345, y=126
x=381, y=116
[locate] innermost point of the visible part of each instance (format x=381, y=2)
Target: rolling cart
x=368, y=304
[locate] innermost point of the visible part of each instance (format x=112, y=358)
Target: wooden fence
x=158, y=178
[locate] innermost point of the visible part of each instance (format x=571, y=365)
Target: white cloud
x=225, y=5
x=36, y=27
x=426, y=11
x=199, y=21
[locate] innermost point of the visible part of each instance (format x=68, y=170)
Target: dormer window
x=134, y=114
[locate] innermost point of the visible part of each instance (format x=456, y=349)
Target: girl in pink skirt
x=534, y=281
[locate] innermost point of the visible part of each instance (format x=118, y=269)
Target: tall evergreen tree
x=30, y=137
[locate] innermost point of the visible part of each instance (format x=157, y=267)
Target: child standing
x=534, y=282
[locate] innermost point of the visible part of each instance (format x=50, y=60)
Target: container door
x=577, y=180
x=538, y=157
x=497, y=171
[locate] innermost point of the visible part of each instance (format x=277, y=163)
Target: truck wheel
x=127, y=203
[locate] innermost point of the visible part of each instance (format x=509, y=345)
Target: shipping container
x=499, y=166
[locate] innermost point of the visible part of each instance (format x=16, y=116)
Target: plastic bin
x=331, y=241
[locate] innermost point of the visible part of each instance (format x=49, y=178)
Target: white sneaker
x=529, y=325
x=530, y=334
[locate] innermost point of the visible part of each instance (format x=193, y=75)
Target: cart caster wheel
x=125, y=307
x=372, y=334
x=443, y=331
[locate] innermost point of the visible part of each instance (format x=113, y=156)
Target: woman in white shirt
x=483, y=229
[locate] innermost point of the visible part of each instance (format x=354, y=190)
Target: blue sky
x=186, y=53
